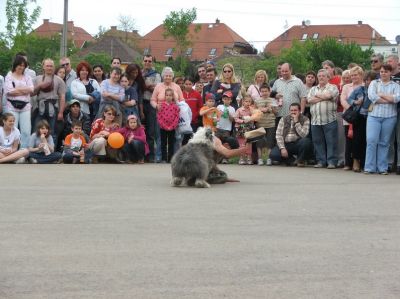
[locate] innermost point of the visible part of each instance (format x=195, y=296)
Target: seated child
x=75, y=146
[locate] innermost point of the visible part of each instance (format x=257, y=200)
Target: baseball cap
x=210, y=96
x=74, y=101
x=227, y=94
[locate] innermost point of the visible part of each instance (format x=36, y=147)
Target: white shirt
x=7, y=142
x=225, y=123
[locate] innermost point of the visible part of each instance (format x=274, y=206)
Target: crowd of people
x=329, y=118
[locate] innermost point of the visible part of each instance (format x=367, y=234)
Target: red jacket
x=193, y=99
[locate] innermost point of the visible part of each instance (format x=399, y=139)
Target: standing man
x=202, y=73
x=50, y=90
x=290, y=89
x=394, y=150
x=151, y=78
x=376, y=63
x=211, y=74
x=70, y=74
x=278, y=74
x=323, y=120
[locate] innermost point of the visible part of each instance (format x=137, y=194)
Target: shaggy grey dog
x=194, y=161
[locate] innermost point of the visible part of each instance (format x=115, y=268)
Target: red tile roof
x=78, y=35
x=210, y=36
x=362, y=34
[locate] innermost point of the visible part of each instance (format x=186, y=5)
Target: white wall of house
x=385, y=50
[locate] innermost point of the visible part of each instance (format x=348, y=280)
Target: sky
x=257, y=21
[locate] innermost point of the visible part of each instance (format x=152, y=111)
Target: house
x=77, y=35
x=362, y=34
x=114, y=47
x=209, y=40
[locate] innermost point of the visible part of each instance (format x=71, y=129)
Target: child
x=135, y=147
x=210, y=113
x=269, y=109
x=129, y=104
x=41, y=145
x=194, y=100
x=224, y=125
x=75, y=145
x=9, y=141
x=168, y=118
x=184, y=131
x=244, y=122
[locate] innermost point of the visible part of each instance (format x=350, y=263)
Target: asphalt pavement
x=121, y=231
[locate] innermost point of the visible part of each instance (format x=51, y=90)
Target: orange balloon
x=116, y=140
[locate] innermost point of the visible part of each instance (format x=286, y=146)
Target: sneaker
x=249, y=162
x=331, y=166
x=241, y=162
x=269, y=162
x=318, y=165
x=20, y=160
x=368, y=172
x=33, y=161
x=384, y=173
x=301, y=164
x=260, y=162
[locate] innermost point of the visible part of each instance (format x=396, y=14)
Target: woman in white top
x=18, y=88
x=9, y=141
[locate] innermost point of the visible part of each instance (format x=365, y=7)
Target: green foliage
x=97, y=58
x=100, y=34
x=19, y=20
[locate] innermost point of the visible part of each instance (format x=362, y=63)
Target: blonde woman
x=226, y=81
x=260, y=78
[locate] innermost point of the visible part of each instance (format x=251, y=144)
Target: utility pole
x=64, y=38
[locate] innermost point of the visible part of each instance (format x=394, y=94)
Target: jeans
x=325, y=143
x=379, y=131
x=43, y=159
x=23, y=121
x=134, y=151
x=302, y=148
x=152, y=131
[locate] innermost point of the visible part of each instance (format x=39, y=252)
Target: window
x=304, y=37
x=213, y=51
x=146, y=51
x=315, y=36
x=169, y=52
x=189, y=51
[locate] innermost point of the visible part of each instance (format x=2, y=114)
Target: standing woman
x=101, y=129
x=136, y=81
x=86, y=90
x=158, y=96
x=18, y=88
x=260, y=78
x=98, y=73
x=112, y=94
x=384, y=95
x=227, y=81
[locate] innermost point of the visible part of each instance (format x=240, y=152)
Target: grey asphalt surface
x=120, y=231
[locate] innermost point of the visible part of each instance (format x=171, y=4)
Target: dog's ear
x=209, y=133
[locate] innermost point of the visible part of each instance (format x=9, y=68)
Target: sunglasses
x=228, y=71
x=374, y=61
x=65, y=64
x=148, y=61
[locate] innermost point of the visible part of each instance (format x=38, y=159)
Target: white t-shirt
x=76, y=144
x=7, y=142
x=225, y=123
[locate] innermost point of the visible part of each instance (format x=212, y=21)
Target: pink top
x=26, y=81
x=254, y=92
x=239, y=115
x=158, y=95
x=168, y=116
x=138, y=134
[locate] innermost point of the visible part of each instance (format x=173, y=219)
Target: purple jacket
x=138, y=134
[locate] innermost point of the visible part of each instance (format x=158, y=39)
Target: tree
x=98, y=58
x=101, y=32
x=176, y=25
x=126, y=24
x=19, y=20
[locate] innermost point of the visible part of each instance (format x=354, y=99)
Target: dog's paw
x=202, y=184
x=175, y=182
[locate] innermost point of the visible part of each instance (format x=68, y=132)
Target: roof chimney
x=113, y=27
x=359, y=22
x=217, y=21
x=46, y=21
x=303, y=24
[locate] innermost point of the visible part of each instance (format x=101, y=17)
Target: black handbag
x=17, y=104
x=351, y=115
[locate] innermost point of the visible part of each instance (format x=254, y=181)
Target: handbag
x=351, y=114
x=17, y=104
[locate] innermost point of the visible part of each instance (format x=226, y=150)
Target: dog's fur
x=194, y=161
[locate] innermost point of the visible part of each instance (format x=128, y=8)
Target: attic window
x=189, y=51
x=146, y=51
x=213, y=51
x=169, y=52
x=315, y=36
x=304, y=37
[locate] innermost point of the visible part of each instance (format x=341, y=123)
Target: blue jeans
x=379, y=131
x=43, y=159
x=23, y=122
x=325, y=139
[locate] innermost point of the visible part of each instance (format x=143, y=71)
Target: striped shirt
x=390, y=88
x=293, y=90
x=323, y=112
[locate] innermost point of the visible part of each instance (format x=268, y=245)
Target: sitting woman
x=9, y=141
x=101, y=128
x=41, y=145
x=135, y=147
